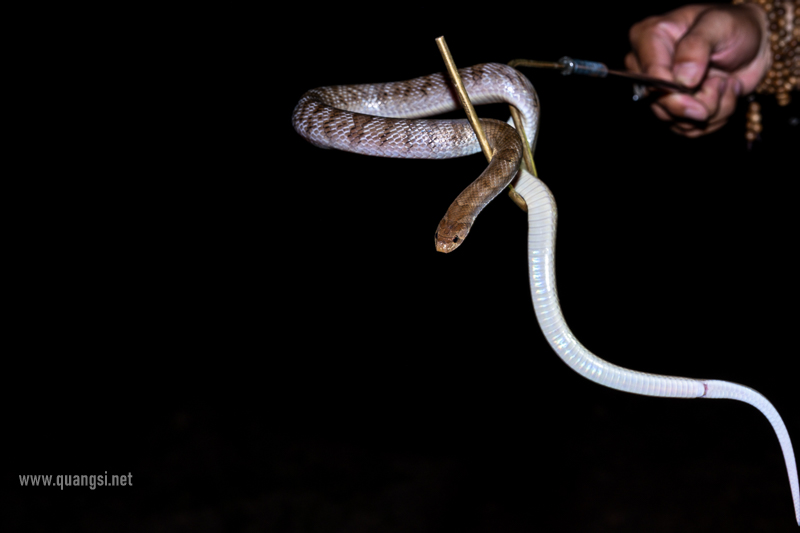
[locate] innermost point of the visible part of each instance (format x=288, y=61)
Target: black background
x=262, y=333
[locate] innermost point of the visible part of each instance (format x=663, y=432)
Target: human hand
x=721, y=50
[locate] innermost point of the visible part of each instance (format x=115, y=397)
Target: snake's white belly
x=542, y=215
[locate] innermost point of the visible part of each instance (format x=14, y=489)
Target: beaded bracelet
x=783, y=19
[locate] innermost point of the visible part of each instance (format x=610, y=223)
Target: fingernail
x=695, y=112
x=737, y=87
x=686, y=73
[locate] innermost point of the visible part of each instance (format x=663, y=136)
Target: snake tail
x=542, y=217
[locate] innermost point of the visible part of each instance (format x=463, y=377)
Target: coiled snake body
x=374, y=120
x=336, y=117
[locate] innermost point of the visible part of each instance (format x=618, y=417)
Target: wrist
x=778, y=56
x=752, y=76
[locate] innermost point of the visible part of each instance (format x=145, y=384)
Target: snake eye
x=455, y=239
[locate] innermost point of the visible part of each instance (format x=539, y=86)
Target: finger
x=683, y=106
x=693, y=132
x=700, y=106
x=713, y=36
x=710, y=95
x=729, y=99
x=631, y=63
x=653, y=41
x=726, y=107
x=746, y=50
x=735, y=33
x=661, y=113
x=693, y=53
x=685, y=127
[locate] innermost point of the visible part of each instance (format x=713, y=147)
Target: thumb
x=727, y=36
x=693, y=51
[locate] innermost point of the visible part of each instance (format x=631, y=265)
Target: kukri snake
x=386, y=120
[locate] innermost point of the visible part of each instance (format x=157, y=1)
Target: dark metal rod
x=594, y=69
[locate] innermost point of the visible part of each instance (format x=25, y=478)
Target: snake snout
x=446, y=245
x=447, y=241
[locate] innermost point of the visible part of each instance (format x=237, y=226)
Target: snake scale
x=385, y=120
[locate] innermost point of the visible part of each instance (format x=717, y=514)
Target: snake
x=385, y=120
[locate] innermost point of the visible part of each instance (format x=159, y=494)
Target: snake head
x=450, y=236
